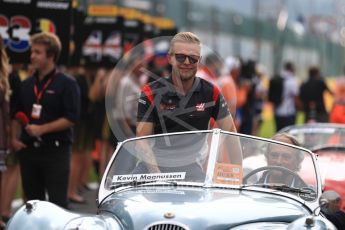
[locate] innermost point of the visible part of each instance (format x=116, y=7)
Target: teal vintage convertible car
x=196, y=180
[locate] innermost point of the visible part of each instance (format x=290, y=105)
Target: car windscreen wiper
x=135, y=183
x=279, y=187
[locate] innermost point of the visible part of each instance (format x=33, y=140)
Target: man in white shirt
x=285, y=112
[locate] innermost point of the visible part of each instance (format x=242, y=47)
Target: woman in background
x=4, y=113
x=337, y=114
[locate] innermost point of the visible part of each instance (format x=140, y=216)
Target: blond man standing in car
x=183, y=101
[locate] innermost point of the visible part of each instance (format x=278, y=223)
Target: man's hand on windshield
x=235, y=155
x=146, y=155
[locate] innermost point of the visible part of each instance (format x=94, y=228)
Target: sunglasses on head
x=181, y=58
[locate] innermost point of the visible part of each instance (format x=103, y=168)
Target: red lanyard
x=39, y=94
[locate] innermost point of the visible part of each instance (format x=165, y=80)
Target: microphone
x=22, y=118
x=24, y=121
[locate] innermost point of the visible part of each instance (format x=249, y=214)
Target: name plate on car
x=149, y=177
x=228, y=174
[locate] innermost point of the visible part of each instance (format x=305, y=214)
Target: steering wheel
x=277, y=168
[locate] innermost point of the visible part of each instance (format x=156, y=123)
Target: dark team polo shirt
x=60, y=99
x=170, y=111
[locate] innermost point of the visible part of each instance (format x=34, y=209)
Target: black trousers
x=284, y=121
x=45, y=168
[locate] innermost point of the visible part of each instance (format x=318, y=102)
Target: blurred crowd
x=102, y=124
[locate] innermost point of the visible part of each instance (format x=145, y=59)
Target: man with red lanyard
x=50, y=101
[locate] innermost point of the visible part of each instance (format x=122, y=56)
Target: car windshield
x=328, y=142
x=213, y=159
x=313, y=136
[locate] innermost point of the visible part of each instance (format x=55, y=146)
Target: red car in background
x=327, y=140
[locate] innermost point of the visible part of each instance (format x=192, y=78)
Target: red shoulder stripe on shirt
x=215, y=93
x=148, y=93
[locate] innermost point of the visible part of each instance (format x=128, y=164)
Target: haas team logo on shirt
x=200, y=107
x=167, y=106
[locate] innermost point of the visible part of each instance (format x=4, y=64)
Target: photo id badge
x=36, y=111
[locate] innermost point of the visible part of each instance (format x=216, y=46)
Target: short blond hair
x=50, y=41
x=185, y=37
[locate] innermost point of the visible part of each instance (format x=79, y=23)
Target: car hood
x=203, y=207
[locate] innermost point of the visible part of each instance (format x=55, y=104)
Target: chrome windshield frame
x=215, y=139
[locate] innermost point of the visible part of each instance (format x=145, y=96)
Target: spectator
x=260, y=96
x=311, y=95
x=227, y=83
x=285, y=112
x=50, y=101
x=116, y=133
x=100, y=123
x=81, y=161
x=247, y=92
x=211, y=70
x=332, y=209
x=11, y=175
x=337, y=114
x=128, y=93
x=4, y=113
x=158, y=63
